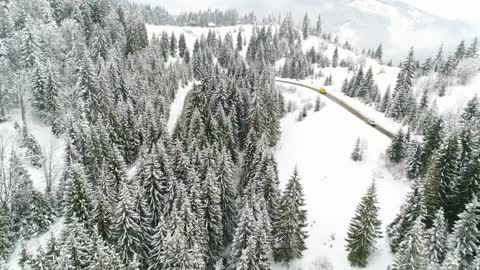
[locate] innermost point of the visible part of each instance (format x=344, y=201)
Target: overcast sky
x=453, y=9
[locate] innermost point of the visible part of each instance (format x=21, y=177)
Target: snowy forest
x=93, y=147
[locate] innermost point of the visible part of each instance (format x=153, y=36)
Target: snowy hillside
x=320, y=146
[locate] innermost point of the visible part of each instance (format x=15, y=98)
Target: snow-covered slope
x=320, y=146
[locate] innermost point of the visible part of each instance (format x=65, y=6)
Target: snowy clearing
x=320, y=146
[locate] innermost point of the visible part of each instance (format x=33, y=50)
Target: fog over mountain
x=364, y=23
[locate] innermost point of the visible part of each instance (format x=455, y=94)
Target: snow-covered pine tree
x=116, y=174
x=78, y=200
x=149, y=175
x=357, y=154
x=239, y=41
x=126, y=232
x=228, y=195
x=335, y=58
x=442, y=177
x=30, y=46
x=396, y=151
x=243, y=233
x=414, y=162
x=467, y=184
x=318, y=104
x=173, y=45
x=411, y=252
x=76, y=251
x=472, y=51
x=412, y=208
x=436, y=241
x=102, y=217
x=213, y=218
x=433, y=140
x=182, y=45
x=465, y=236
x=292, y=222
x=5, y=239
x=105, y=258
x=305, y=26
x=364, y=229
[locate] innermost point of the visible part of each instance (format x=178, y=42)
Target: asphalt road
x=341, y=103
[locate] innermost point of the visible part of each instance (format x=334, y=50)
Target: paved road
x=342, y=104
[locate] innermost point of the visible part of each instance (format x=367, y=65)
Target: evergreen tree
x=472, y=51
x=318, y=105
x=243, y=235
x=173, y=45
x=103, y=217
x=5, y=240
x=436, y=243
x=126, y=232
x=78, y=201
x=77, y=248
x=182, y=45
x=396, y=150
x=433, y=140
x=105, y=258
x=152, y=180
x=465, y=236
x=411, y=253
x=239, y=41
x=318, y=26
x=335, y=58
x=292, y=222
x=414, y=162
x=364, y=229
x=357, y=154
x=305, y=26
x=443, y=175
x=213, y=218
x=224, y=172
x=412, y=208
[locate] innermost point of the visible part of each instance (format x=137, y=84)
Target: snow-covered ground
x=53, y=148
x=320, y=146
x=176, y=107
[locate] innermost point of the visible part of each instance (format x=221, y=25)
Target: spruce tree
x=182, y=45
x=465, y=236
x=292, y=222
x=126, y=232
x=78, y=201
x=364, y=229
x=412, y=208
x=411, y=253
x=436, y=241
x=414, y=162
x=173, y=45
x=103, y=216
x=213, y=218
x=396, y=150
x=357, y=154
x=305, y=26
x=335, y=58
x=5, y=240
x=442, y=177
x=224, y=172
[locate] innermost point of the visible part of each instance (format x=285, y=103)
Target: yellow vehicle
x=322, y=90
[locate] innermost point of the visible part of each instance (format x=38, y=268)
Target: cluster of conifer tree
x=132, y=195
x=160, y=16
x=437, y=227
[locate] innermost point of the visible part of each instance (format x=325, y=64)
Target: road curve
x=342, y=104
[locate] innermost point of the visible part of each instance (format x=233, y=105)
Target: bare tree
x=51, y=170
